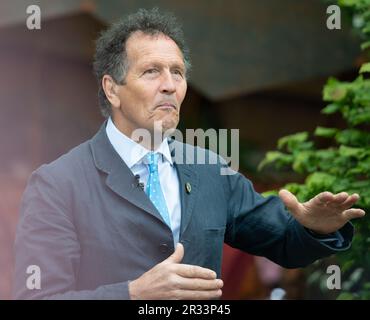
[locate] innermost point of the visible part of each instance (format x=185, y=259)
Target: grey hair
x=111, y=56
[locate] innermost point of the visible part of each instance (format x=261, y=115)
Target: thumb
x=177, y=256
x=290, y=200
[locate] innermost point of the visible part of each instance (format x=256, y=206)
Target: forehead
x=141, y=48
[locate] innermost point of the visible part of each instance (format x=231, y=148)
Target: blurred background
x=258, y=66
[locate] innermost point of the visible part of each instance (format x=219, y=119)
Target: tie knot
x=152, y=159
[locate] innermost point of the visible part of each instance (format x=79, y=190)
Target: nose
x=168, y=85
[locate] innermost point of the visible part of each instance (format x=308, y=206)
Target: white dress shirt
x=133, y=154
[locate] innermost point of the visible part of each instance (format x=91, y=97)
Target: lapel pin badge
x=188, y=187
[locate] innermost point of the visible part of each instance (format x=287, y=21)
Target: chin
x=167, y=123
x=170, y=124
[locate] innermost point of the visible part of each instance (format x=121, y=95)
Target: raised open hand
x=325, y=213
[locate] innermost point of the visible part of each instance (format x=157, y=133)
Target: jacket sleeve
x=46, y=238
x=263, y=226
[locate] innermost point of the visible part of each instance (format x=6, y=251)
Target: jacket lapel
x=188, y=177
x=120, y=178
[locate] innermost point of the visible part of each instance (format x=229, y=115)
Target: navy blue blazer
x=90, y=229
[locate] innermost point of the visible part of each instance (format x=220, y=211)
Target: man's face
x=155, y=84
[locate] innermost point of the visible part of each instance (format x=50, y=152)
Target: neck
x=149, y=139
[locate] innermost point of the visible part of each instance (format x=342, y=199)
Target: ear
x=111, y=91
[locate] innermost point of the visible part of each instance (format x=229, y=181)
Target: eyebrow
x=179, y=66
x=174, y=65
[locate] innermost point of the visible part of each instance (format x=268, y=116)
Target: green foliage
x=345, y=165
x=365, y=68
x=352, y=99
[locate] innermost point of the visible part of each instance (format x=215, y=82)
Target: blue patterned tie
x=153, y=187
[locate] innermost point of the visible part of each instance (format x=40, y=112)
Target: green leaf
x=320, y=181
x=341, y=185
x=326, y=154
x=365, y=45
x=355, y=171
x=353, y=137
x=347, y=265
x=270, y=193
x=366, y=29
x=361, y=97
x=346, y=296
x=347, y=3
x=304, y=162
x=335, y=90
x=325, y=132
x=361, y=184
x=331, y=108
x=364, y=166
x=293, y=187
x=359, y=116
x=351, y=152
x=293, y=141
x=365, y=67
x=277, y=157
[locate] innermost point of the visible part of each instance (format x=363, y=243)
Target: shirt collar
x=130, y=151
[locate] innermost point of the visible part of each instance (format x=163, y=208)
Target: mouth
x=166, y=106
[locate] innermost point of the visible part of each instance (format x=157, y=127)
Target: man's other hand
x=172, y=280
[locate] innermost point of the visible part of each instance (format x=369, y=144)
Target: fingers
x=353, y=213
x=341, y=201
x=199, y=284
x=289, y=200
x=339, y=198
x=324, y=197
x=190, y=271
x=186, y=270
x=350, y=201
x=171, y=279
x=177, y=256
x=194, y=289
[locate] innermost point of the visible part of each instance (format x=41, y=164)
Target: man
x=103, y=221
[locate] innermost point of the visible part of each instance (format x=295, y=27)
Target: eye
x=151, y=71
x=178, y=72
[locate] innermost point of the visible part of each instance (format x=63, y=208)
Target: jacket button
x=163, y=247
